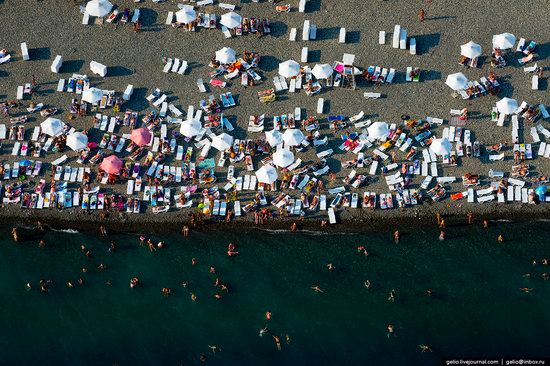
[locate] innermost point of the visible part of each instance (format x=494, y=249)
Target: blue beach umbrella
x=25, y=163
x=541, y=192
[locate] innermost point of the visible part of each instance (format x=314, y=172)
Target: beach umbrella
x=111, y=164
x=25, y=163
x=51, y=126
x=441, y=146
x=274, y=137
x=186, y=15
x=470, y=49
x=507, y=105
x=293, y=137
x=378, y=130
x=322, y=71
x=77, y=141
x=98, y=8
x=141, y=136
x=226, y=55
x=457, y=81
x=267, y=174
x=289, y=69
x=92, y=95
x=504, y=41
x=190, y=127
x=231, y=20
x=283, y=158
x=222, y=142
x=540, y=191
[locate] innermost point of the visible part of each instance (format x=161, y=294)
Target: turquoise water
x=476, y=310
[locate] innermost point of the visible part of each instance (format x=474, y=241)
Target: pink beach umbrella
x=111, y=164
x=141, y=136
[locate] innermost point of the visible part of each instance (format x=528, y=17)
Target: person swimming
x=193, y=261
x=367, y=284
x=316, y=289
x=425, y=348
x=277, y=342
x=396, y=236
x=263, y=331
x=392, y=296
x=442, y=235
x=193, y=297
x=330, y=267
x=268, y=315
x=500, y=239
x=134, y=282
x=390, y=331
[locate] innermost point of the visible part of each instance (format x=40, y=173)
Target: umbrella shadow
x=138, y=102
x=72, y=66
x=543, y=50
x=42, y=53
x=269, y=63
x=426, y=42
x=278, y=29
x=148, y=17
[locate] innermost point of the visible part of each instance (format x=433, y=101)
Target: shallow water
x=477, y=308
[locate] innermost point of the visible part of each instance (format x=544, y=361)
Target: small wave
x=543, y=220
x=66, y=231
x=502, y=220
x=306, y=232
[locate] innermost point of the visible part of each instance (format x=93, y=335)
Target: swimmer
x=429, y=292
x=268, y=315
x=442, y=235
x=231, y=246
x=214, y=349
x=69, y=284
x=15, y=234
x=396, y=236
x=360, y=249
x=184, y=284
x=545, y=276
x=217, y=282
x=425, y=348
x=392, y=296
x=330, y=267
x=287, y=338
x=134, y=282
x=81, y=281
x=41, y=244
x=485, y=224
x=263, y=331
x=500, y=239
x=212, y=269
x=193, y=297
x=224, y=288
x=316, y=289
x=202, y=357
x=367, y=284
x=108, y=282
x=277, y=342
x=84, y=270
x=83, y=248
x=390, y=331
x=526, y=289
x=193, y=261
x=151, y=245
x=142, y=240
x=160, y=244
x=28, y=286
x=218, y=296
x=88, y=254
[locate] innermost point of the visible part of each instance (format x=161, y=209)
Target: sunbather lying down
x=470, y=178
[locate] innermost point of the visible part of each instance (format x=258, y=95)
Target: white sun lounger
x=168, y=65
x=98, y=68
x=373, y=167
x=501, y=117
x=342, y=36
x=391, y=75
x=176, y=65
x=128, y=92
x=426, y=182
x=312, y=31
x=403, y=39
x=169, y=18
x=61, y=85
x=517, y=193
x=412, y=46
x=302, y=6
x=292, y=35
x=370, y=95
x=535, y=82
x=306, y=30
x=304, y=55
x=382, y=37
x=320, y=105
x=331, y=216
x=20, y=92
x=396, y=35
x=25, y=51
x=434, y=169
x=56, y=64
x=60, y=160
x=543, y=111
x=86, y=18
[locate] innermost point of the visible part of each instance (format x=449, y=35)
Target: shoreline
x=359, y=222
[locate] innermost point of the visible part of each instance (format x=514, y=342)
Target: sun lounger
x=292, y=35
x=302, y=6
x=403, y=39
x=320, y=105
x=370, y=95
x=86, y=18
x=412, y=46
x=535, y=82
x=56, y=64
x=25, y=51
x=382, y=37
x=169, y=18
x=342, y=36
x=408, y=76
x=501, y=118
x=331, y=216
x=325, y=153
x=98, y=68
x=396, y=36
x=543, y=111
x=304, y=55
x=20, y=92
x=313, y=32
x=306, y=30
x=433, y=166
x=60, y=160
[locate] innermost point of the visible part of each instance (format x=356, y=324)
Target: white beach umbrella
x=507, y=105
x=470, y=49
x=293, y=137
x=186, y=15
x=51, y=126
x=274, y=137
x=190, y=127
x=222, y=142
x=289, y=68
x=441, y=146
x=231, y=20
x=457, y=81
x=283, y=158
x=92, y=95
x=226, y=55
x=77, y=141
x=267, y=174
x=378, y=130
x=322, y=71
x=504, y=41
x=98, y=8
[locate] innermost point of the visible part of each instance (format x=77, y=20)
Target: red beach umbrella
x=111, y=164
x=141, y=136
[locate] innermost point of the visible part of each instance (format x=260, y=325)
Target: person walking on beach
x=422, y=15
x=438, y=218
x=185, y=231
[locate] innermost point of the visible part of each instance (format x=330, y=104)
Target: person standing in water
x=396, y=236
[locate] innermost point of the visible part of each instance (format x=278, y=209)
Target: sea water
x=476, y=309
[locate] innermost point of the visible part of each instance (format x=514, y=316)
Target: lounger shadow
x=72, y=66
x=42, y=53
